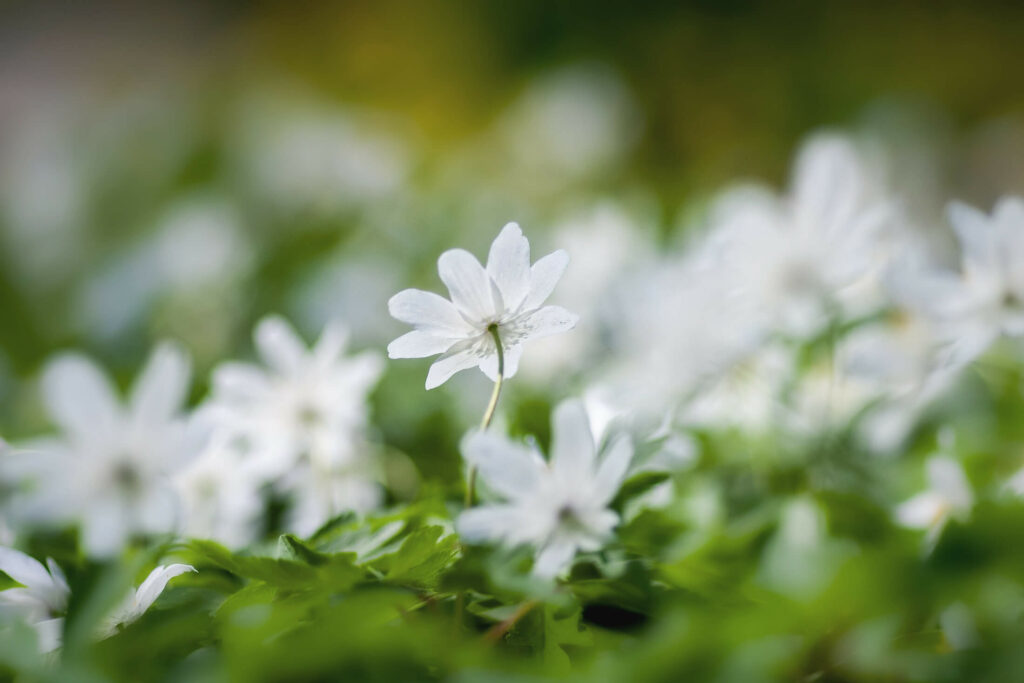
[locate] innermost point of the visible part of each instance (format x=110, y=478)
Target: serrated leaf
x=313, y=571
x=422, y=556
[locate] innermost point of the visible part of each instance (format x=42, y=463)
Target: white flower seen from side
x=558, y=507
x=136, y=603
x=504, y=300
x=42, y=598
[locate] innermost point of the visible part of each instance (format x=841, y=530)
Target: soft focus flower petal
x=161, y=388
x=80, y=398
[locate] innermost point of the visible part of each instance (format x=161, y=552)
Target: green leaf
x=307, y=569
x=421, y=558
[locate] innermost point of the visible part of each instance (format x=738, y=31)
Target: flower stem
x=460, y=600
x=491, y=406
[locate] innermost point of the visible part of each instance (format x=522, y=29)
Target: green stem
x=460, y=600
x=489, y=413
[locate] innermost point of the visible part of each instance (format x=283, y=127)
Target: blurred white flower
x=110, y=469
x=312, y=157
x=948, y=496
x=608, y=245
x=44, y=188
x=221, y=497
x=136, y=604
x=297, y=424
x=507, y=296
x=42, y=598
x=989, y=298
x=571, y=123
x=801, y=257
x=958, y=627
x=558, y=507
x=747, y=395
x=302, y=403
x=197, y=248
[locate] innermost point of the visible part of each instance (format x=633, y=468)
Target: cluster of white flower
x=713, y=336
x=294, y=430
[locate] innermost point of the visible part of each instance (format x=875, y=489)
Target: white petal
x=459, y=357
x=242, y=381
x=947, y=478
x=104, y=528
x=554, y=559
x=80, y=398
x=828, y=184
x=161, y=388
x=428, y=312
x=419, y=344
x=331, y=344
x=154, y=585
x=49, y=634
x=362, y=371
x=544, y=275
x=280, y=345
x=921, y=511
x=59, y=580
x=470, y=286
x=26, y=570
x=509, y=469
x=1008, y=217
x=489, y=364
x=489, y=523
x=548, y=321
x=572, y=442
x=976, y=235
x=509, y=265
x=612, y=469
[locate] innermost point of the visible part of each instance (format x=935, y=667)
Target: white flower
x=221, y=497
x=136, y=604
x=42, y=599
x=508, y=296
x=303, y=403
x=989, y=300
x=801, y=255
x=558, y=507
x=110, y=470
x=297, y=424
x=948, y=496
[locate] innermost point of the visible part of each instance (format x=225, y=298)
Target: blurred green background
x=181, y=169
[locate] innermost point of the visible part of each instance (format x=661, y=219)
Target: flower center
x=126, y=477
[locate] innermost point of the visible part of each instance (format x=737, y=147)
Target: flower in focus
x=136, y=604
x=948, y=496
x=42, y=598
x=296, y=424
x=507, y=297
x=558, y=507
x=111, y=468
